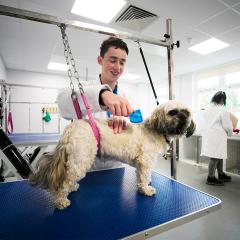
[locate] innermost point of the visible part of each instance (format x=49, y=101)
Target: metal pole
x=44, y=18
x=171, y=94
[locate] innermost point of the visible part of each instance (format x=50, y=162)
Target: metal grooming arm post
x=171, y=95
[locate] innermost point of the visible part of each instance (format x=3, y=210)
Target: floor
x=223, y=224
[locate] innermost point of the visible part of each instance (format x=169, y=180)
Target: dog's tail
x=51, y=170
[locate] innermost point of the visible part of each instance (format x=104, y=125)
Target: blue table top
x=106, y=206
x=34, y=138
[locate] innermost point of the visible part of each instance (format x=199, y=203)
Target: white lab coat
x=67, y=111
x=216, y=127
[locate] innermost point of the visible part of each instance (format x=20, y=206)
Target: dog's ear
x=157, y=120
x=190, y=129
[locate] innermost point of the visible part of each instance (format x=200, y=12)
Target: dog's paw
x=147, y=190
x=62, y=203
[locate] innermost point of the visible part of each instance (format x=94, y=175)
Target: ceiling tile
x=190, y=12
x=231, y=37
x=230, y=2
x=237, y=7
x=221, y=23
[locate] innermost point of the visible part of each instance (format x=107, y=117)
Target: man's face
x=113, y=64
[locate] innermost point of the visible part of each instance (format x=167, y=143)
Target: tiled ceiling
x=30, y=45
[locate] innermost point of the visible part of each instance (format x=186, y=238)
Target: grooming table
x=106, y=206
x=28, y=141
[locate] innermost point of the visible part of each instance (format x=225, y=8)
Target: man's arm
x=115, y=104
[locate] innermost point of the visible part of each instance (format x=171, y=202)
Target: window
x=204, y=98
x=208, y=83
x=206, y=89
x=230, y=83
x=233, y=98
x=233, y=78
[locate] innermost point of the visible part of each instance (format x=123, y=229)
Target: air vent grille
x=133, y=12
x=135, y=18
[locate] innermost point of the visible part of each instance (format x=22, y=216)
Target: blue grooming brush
x=136, y=117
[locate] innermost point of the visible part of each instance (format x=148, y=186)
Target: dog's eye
x=173, y=112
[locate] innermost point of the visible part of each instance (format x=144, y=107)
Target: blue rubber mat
x=106, y=206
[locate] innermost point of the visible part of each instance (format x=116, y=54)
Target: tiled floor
x=223, y=224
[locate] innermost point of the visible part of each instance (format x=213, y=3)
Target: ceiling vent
x=135, y=18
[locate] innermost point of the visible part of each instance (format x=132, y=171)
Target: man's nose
x=117, y=66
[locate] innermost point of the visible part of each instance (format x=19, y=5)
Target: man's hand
x=118, y=124
x=117, y=105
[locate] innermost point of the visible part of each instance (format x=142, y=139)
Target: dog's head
x=172, y=118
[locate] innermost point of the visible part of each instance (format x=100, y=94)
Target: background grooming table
x=28, y=142
x=34, y=139
x=106, y=206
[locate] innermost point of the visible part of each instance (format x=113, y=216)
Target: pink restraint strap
x=76, y=105
x=9, y=123
x=91, y=120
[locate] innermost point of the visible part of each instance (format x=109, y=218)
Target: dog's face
x=172, y=118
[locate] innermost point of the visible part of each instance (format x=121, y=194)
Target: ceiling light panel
x=209, y=46
x=103, y=11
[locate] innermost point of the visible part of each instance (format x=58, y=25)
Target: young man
x=105, y=98
x=106, y=95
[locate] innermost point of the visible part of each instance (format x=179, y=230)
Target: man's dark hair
x=219, y=97
x=112, y=42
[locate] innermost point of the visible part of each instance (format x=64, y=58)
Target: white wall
x=184, y=89
x=37, y=79
x=2, y=69
x=140, y=96
x=26, y=103
x=185, y=92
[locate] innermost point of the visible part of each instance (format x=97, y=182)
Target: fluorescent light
x=130, y=76
x=103, y=11
x=58, y=66
x=209, y=46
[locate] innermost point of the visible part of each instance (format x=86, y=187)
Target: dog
x=139, y=145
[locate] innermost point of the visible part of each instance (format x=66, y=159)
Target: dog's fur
x=138, y=145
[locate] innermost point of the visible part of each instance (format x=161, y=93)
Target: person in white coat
x=105, y=98
x=217, y=126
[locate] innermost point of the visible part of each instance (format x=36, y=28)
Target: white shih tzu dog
x=139, y=145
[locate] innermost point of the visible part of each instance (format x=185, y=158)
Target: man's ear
x=99, y=59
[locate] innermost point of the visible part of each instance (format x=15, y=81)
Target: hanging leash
x=148, y=73
x=73, y=74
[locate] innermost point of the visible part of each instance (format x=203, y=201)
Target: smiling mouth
x=115, y=74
